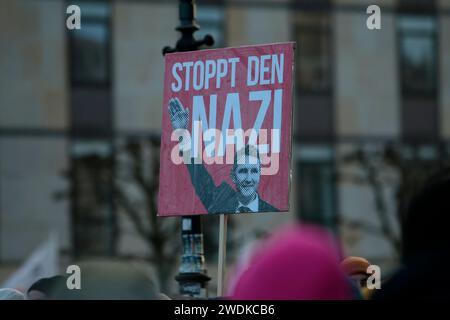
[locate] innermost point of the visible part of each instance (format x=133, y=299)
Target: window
x=314, y=52
x=89, y=46
x=315, y=113
x=90, y=72
x=418, y=55
x=93, y=218
x=91, y=149
x=316, y=186
x=418, y=73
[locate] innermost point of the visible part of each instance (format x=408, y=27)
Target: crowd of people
x=296, y=263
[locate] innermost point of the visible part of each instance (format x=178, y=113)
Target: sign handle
x=222, y=254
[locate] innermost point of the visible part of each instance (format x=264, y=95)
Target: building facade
x=67, y=95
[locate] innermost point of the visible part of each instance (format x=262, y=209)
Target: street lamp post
x=192, y=275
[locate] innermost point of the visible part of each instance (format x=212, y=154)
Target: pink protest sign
x=226, y=131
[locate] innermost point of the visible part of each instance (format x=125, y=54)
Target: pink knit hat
x=300, y=262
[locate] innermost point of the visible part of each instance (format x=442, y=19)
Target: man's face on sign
x=246, y=176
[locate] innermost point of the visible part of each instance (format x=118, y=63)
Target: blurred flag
x=42, y=263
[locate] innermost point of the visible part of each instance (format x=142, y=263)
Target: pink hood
x=300, y=262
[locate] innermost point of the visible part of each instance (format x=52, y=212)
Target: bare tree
x=412, y=169
x=141, y=170
x=126, y=182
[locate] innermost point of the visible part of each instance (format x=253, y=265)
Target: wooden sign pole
x=222, y=254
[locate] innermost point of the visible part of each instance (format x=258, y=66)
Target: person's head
x=425, y=226
x=113, y=280
x=246, y=171
x=356, y=269
x=297, y=263
x=11, y=294
x=45, y=288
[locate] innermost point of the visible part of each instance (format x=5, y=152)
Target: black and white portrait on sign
x=245, y=174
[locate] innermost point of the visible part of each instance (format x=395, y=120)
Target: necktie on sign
x=244, y=209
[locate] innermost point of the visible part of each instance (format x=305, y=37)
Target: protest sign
x=226, y=130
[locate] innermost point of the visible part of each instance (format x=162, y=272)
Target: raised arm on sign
x=201, y=179
x=179, y=116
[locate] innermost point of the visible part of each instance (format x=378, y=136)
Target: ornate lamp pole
x=192, y=275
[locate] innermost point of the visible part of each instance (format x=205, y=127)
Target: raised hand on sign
x=179, y=116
